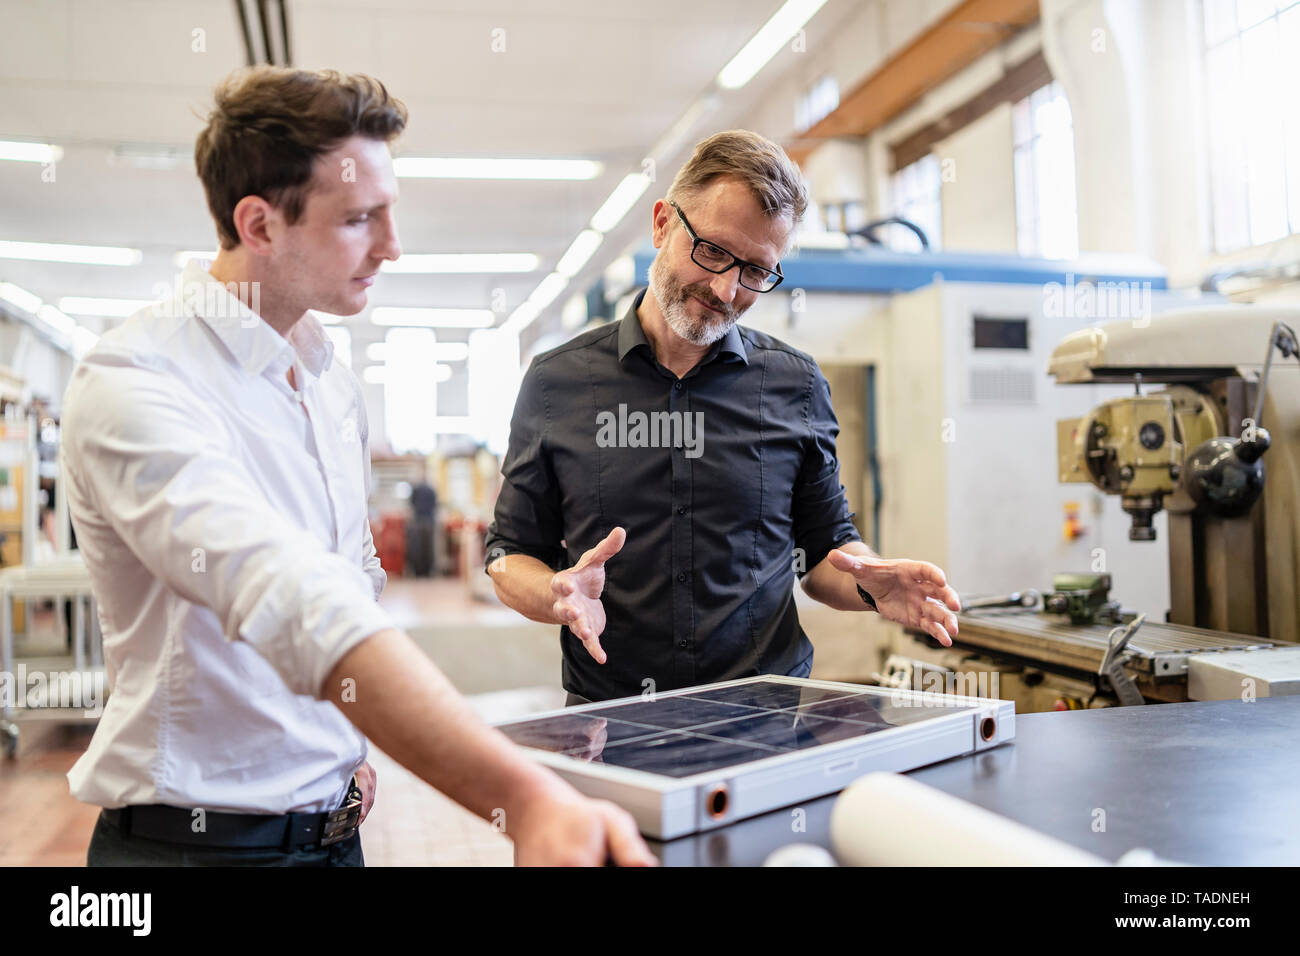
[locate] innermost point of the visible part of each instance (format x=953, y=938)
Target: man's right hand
x=408, y=709
x=572, y=830
x=577, y=594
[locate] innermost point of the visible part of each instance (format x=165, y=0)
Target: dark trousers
x=109, y=846
x=421, y=551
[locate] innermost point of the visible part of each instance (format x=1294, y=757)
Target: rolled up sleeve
x=820, y=510
x=158, y=470
x=527, y=519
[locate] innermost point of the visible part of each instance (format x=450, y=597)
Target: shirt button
x=682, y=644
x=677, y=385
x=681, y=511
x=681, y=576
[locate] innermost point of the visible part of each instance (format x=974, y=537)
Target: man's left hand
x=366, y=781
x=913, y=593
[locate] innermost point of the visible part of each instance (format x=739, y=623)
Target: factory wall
x=1133, y=74
x=979, y=203
x=978, y=195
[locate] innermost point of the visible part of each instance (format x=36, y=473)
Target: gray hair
x=755, y=160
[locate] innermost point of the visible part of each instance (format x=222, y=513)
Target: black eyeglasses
x=712, y=257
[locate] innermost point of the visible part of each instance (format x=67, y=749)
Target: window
x=1251, y=74
x=916, y=189
x=410, y=389
x=1047, y=217
x=494, y=376
x=817, y=103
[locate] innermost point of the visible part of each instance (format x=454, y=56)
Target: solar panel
x=703, y=757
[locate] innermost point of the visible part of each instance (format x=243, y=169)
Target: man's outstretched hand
x=577, y=594
x=913, y=593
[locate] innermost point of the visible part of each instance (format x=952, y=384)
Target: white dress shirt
x=223, y=518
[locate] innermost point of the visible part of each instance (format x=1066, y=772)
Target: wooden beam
x=1015, y=84
x=958, y=39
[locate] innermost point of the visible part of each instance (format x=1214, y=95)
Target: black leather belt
x=241, y=830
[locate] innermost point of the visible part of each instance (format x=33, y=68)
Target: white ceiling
x=596, y=79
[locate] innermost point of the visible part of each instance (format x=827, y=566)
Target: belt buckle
x=341, y=823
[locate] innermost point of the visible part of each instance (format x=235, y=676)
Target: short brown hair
x=270, y=124
x=756, y=161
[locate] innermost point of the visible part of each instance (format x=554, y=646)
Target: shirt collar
x=631, y=335
x=251, y=340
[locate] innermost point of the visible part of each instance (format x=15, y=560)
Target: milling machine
x=1211, y=435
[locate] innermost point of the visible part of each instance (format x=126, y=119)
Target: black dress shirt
x=726, y=481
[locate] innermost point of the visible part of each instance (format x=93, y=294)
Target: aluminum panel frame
x=666, y=807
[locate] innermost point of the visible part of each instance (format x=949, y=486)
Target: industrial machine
x=1199, y=449
x=1083, y=598
x=1210, y=436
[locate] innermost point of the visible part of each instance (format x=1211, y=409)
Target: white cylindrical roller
x=800, y=854
x=886, y=819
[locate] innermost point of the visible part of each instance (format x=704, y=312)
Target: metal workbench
x=1158, y=651
x=1210, y=783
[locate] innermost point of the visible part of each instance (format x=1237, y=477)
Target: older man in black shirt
x=699, y=452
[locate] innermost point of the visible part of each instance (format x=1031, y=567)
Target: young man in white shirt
x=217, y=461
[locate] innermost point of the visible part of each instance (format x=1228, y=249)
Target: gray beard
x=672, y=302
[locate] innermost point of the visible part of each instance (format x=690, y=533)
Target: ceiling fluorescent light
x=433, y=318
x=105, y=308
x=452, y=263
x=620, y=201
x=48, y=316
x=18, y=296
x=421, y=167
x=579, y=252
x=150, y=156
x=548, y=290
x=520, y=318
x=785, y=23
x=56, y=319
x=60, y=252
x=18, y=152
